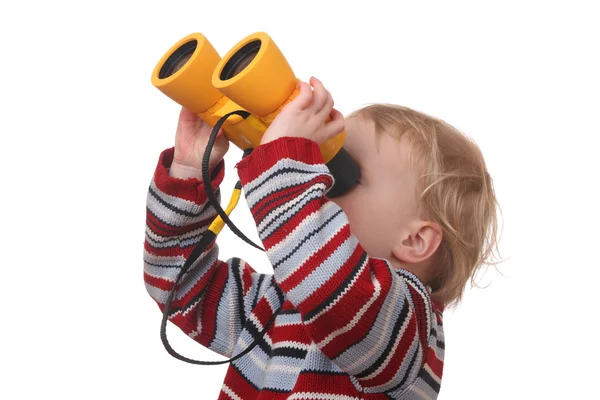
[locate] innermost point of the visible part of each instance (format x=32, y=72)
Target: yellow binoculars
x=254, y=76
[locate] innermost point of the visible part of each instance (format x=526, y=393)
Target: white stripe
x=356, y=318
x=367, y=358
x=230, y=393
x=433, y=375
x=328, y=268
x=289, y=343
x=282, y=249
x=341, y=295
x=321, y=396
x=267, y=184
x=274, y=219
x=173, y=217
x=309, y=172
x=270, y=364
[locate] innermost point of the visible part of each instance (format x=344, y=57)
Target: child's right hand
x=191, y=139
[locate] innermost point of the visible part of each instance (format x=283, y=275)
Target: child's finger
x=305, y=97
x=320, y=95
x=327, y=107
x=335, y=126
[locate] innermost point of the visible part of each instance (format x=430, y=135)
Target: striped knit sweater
x=351, y=327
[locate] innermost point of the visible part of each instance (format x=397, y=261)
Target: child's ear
x=419, y=243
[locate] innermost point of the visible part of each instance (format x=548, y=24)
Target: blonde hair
x=454, y=190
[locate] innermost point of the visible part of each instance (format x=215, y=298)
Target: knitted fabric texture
x=351, y=326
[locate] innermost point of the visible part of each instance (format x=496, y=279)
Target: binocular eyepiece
x=254, y=76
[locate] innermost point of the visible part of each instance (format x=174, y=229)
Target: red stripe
x=263, y=311
x=325, y=383
x=398, y=356
x=420, y=314
x=295, y=220
x=294, y=333
x=246, y=276
x=239, y=385
x=325, y=290
x=266, y=155
x=345, y=340
x=269, y=203
x=435, y=364
x=160, y=228
x=188, y=189
x=314, y=260
x=211, y=301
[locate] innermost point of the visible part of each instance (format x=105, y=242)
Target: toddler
x=362, y=278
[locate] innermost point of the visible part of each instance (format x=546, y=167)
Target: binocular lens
x=178, y=59
x=240, y=60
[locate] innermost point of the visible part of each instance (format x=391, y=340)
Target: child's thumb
x=304, y=98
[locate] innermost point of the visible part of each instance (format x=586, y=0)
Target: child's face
x=381, y=207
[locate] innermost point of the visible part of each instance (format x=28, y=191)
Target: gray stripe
x=278, y=183
x=253, y=371
x=416, y=391
x=382, y=328
x=320, y=275
x=288, y=319
x=228, y=323
x=403, y=370
x=317, y=361
x=255, y=291
x=262, y=185
x=283, y=250
x=282, y=373
x=160, y=242
x=280, y=215
x=194, y=274
x=172, y=217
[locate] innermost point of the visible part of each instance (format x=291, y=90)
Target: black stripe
x=185, y=307
x=336, y=293
x=314, y=371
x=440, y=344
x=254, y=333
x=178, y=210
x=409, y=276
x=162, y=245
x=201, y=225
x=240, y=292
x=289, y=312
x=423, y=374
x=275, y=390
x=406, y=375
x=291, y=194
x=281, y=171
x=308, y=199
x=266, y=348
x=192, y=239
x=178, y=265
x=388, y=349
x=305, y=239
x=260, y=280
x=289, y=352
x=151, y=224
x=280, y=294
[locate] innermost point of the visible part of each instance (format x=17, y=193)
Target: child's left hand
x=305, y=116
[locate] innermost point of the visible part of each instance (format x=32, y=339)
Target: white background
x=81, y=129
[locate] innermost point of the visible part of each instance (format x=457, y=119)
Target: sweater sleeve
x=214, y=297
x=372, y=321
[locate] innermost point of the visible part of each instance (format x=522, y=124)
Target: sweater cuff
x=267, y=155
x=191, y=189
